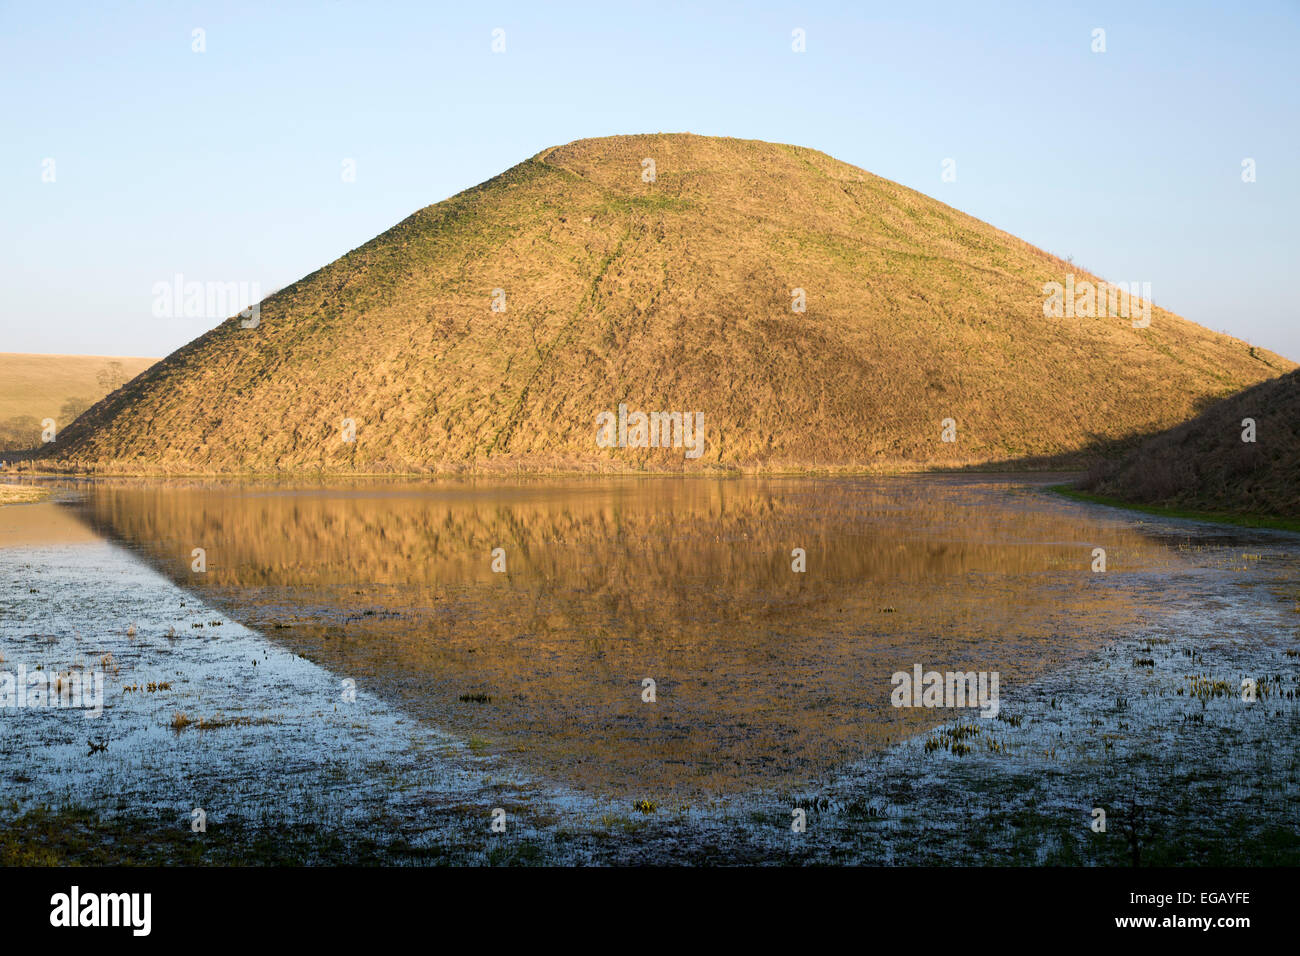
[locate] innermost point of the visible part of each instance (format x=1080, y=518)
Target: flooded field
x=645, y=670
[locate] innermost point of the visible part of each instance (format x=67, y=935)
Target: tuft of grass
x=22, y=494
x=181, y=720
x=953, y=739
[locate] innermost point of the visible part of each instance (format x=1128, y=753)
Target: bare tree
x=112, y=376
x=72, y=408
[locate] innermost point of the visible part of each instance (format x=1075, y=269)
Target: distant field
x=35, y=387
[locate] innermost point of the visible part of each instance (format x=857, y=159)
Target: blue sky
x=226, y=165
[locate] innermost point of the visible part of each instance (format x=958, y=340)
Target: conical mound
x=664, y=273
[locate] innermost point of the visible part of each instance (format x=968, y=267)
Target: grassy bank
x=1218, y=517
x=21, y=494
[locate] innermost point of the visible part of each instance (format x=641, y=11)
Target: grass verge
x=21, y=494
x=1217, y=517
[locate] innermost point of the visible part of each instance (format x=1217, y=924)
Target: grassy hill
x=1204, y=465
x=36, y=387
x=670, y=295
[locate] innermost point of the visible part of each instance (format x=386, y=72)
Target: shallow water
x=522, y=690
x=764, y=676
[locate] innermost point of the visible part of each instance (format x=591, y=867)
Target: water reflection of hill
x=764, y=676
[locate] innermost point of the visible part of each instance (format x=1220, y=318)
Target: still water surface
x=764, y=676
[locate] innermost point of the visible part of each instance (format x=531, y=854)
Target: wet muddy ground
x=522, y=690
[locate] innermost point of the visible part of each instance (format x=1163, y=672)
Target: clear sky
x=226, y=165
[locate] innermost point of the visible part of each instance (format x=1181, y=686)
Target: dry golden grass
x=1203, y=465
x=672, y=295
x=36, y=387
x=21, y=494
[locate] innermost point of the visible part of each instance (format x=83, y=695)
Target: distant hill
x=1204, y=465
x=36, y=387
x=491, y=330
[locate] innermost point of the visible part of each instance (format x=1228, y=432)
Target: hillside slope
x=1204, y=465
x=671, y=295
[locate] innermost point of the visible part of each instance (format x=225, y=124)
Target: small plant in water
x=953, y=739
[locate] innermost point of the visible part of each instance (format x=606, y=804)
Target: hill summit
x=669, y=302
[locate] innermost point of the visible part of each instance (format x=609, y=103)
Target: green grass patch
x=1217, y=517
